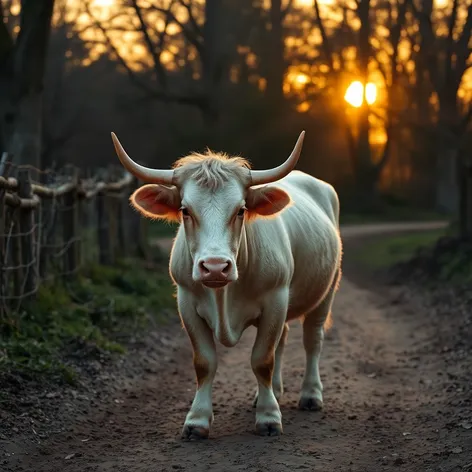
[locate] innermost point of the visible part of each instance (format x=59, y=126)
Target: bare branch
x=6, y=41
x=197, y=100
x=287, y=9
x=132, y=75
x=193, y=22
x=450, y=43
x=463, y=49
x=193, y=38
x=325, y=44
x=429, y=37
x=158, y=68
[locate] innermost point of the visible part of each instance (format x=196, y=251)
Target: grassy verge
x=386, y=251
x=92, y=316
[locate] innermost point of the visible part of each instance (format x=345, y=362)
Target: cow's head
x=213, y=196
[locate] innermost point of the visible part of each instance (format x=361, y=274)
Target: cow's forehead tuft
x=213, y=170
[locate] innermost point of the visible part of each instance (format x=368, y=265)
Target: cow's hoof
x=190, y=432
x=310, y=403
x=269, y=429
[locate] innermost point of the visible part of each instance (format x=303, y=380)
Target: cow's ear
x=266, y=201
x=157, y=202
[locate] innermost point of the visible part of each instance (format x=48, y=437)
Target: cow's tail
x=328, y=322
x=334, y=288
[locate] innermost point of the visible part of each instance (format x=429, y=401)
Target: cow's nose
x=214, y=268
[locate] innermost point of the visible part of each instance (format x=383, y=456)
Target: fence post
x=102, y=233
x=26, y=220
x=138, y=229
x=4, y=171
x=71, y=228
x=122, y=210
x=16, y=253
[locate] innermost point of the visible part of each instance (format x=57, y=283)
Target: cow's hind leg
x=311, y=397
x=277, y=380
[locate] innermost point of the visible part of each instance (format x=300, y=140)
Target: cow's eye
x=185, y=212
x=241, y=212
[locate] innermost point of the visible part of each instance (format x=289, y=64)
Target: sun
x=355, y=94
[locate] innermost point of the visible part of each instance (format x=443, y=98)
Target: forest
x=382, y=88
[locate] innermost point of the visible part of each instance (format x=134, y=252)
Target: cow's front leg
x=199, y=418
x=270, y=328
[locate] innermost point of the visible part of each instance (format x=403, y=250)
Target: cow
x=254, y=247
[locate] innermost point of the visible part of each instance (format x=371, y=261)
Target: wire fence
x=53, y=223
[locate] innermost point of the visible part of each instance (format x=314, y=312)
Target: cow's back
x=305, y=238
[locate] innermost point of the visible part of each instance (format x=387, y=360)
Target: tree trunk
x=446, y=176
x=211, y=61
x=447, y=157
x=22, y=65
x=25, y=142
x=366, y=171
x=276, y=70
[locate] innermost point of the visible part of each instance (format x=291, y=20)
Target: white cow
x=247, y=254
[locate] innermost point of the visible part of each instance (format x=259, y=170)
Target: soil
x=396, y=368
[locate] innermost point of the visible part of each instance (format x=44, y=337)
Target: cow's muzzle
x=216, y=272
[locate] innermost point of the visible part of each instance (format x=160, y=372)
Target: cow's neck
x=226, y=334
x=229, y=333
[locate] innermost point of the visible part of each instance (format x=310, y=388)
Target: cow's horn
x=259, y=177
x=146, y=174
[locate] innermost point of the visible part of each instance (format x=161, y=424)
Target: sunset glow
x=310, y=3
x=355, y=94
x=103, y=3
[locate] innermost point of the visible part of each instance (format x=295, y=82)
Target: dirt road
x=388, y=405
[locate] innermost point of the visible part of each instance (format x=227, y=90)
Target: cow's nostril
x=226, y=269
x=203, y=268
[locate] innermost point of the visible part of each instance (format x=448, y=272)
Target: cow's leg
x=277, y=380
x=269, y=330
x=199, y=418
x=311, y=397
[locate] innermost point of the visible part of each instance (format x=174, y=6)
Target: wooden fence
x=50, y=230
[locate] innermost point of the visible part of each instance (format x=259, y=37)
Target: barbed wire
x=54, y=238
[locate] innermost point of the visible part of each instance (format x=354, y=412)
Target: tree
x=446, y=59
x=391, y=15
x=276, y=53
x=195, y=30
x=22, y=64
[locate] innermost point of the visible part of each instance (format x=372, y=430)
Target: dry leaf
x=70, y=456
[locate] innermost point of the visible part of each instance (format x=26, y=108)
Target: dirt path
x=387, y=407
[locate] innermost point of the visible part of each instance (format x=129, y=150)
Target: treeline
x=245, y=76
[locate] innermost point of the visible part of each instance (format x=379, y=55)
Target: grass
x=90, y=316
x=390, y=250
x=161, y=229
